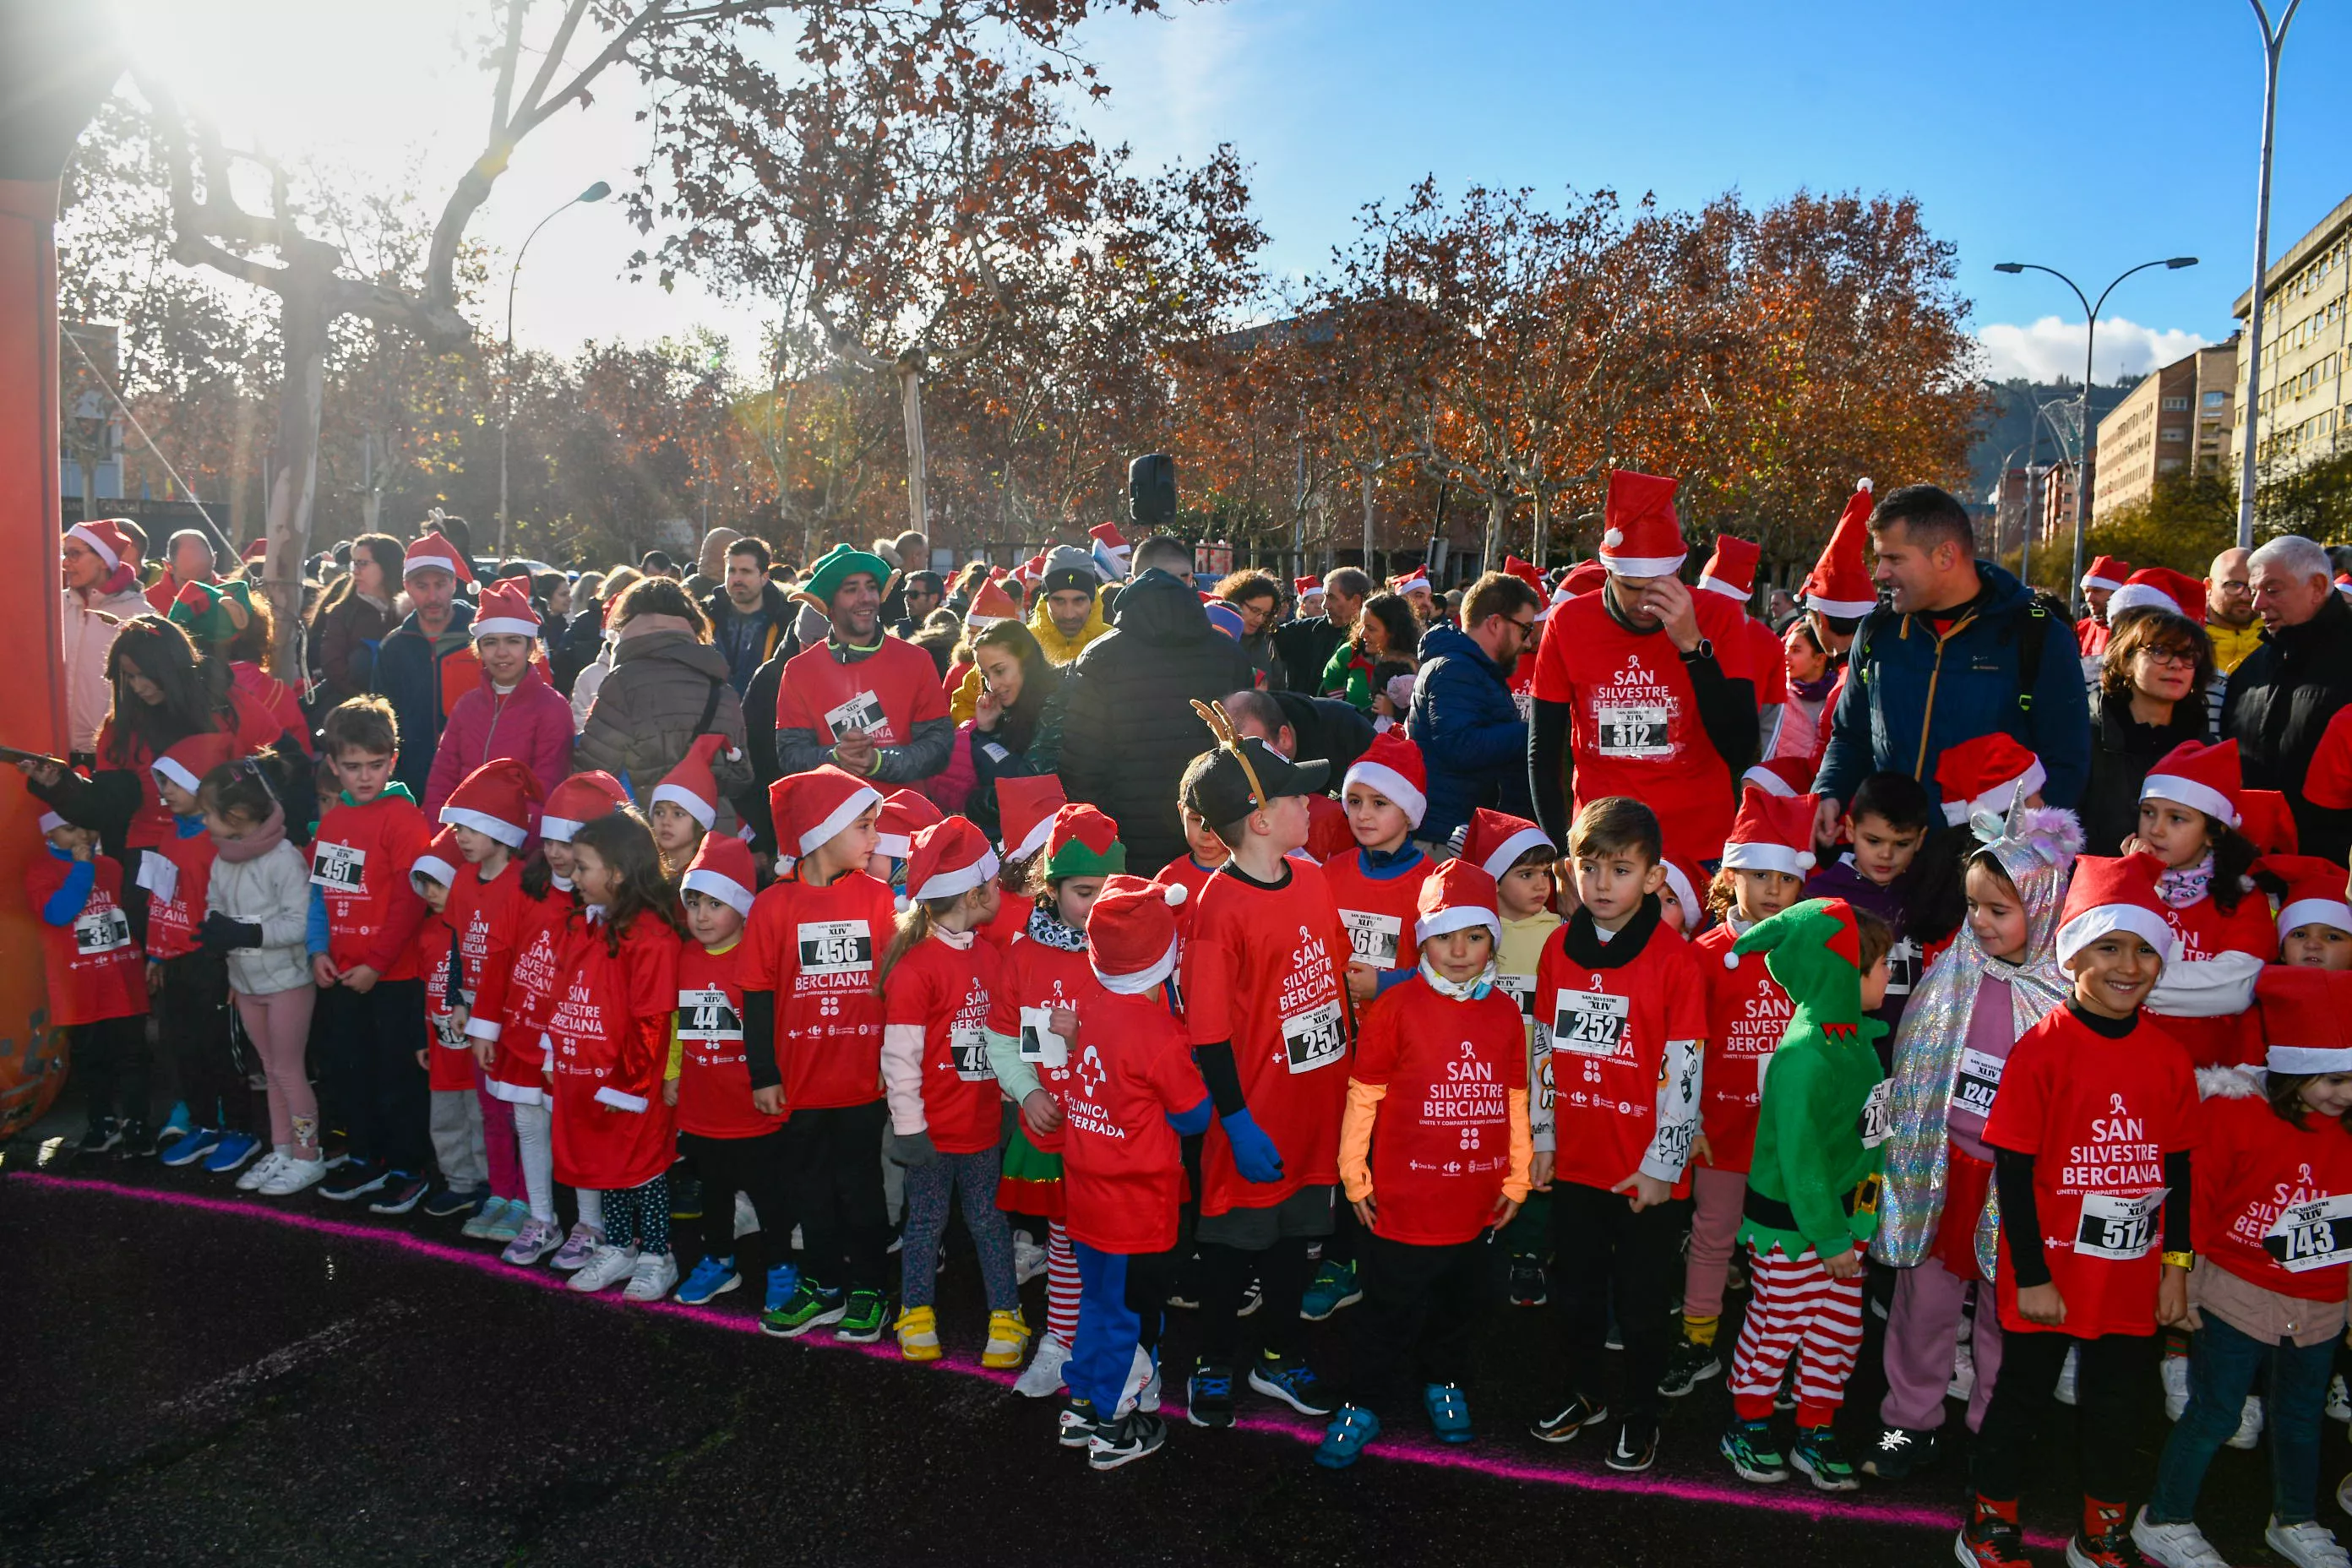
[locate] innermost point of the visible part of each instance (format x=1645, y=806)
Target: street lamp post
x=2090, y=340
x=595, y=192
x=2273, y=40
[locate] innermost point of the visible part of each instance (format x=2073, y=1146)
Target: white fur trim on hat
x=510, y=834
x=2316, y=911
x=1764, y=855
x=1034, y=840
x=176, y=774
x=1768, y=780
x=433, y=866
x=1693, y=912
x=2190, y=794
x=725, y=890
x=2101, y=919
x=1391, y=784
x=445, y=558
x=1142, y=980
x=962, y=879
x=896, y=846
x=855, y=805
x=559, y=830
x=2137, y=596
x=1996, y=798
x=1715, y=585
x=51, y=822
x=2307, y=1059
x=1844, y=609
x=687, y=801
x=2109, y=583
x=1459, y=918
x=497, y=626
x=105, y=550
x=1507, y=852
x=1641, y=565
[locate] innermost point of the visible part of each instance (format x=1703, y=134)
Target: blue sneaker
x=1333, y=1286
x=711, y=1277
x=233, y=1150
x=782, y=1280
x=1291, y=1381
x=1449, y=1410
x=191, y=1145
x=444, y=1203
x=179, y=1124
x=1344, y=1440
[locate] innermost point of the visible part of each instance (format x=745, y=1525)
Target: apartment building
x=2175, y=423
x=2299, y=411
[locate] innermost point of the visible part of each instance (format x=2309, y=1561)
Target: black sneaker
x=1124, y=1441
x=400, y=1193
x=1077, y=1422
x=1209, y=1395
x=1690, y=1365
x=138, y=1139
x=1529, y=1286
x=1253, y=1298
x=104, y=1133
x=1636, y=1448
x=448, y=1203
x=1292, y=1380
x=357, y=1179
x=1900, y=1451
x=1578, y=1413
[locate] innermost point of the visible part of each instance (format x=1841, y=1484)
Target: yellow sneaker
x=919, y=1334
x=1008, y=1340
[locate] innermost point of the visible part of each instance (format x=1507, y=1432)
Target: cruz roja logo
x=1092, y=1073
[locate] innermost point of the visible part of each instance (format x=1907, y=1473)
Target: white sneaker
x=2250, y=1424
x=2307, y=1545
x=1042, y=1378
x=2174, y=1372
x=260, y=1173
x=2174, y=1545
x=747, y=1218
x=1143, y=1377
x=2066, y=1389
x=292, y=1178
x=1964, y=1372
x=2339, y=1399
x=655, y=1275
x=1028, y=1260
x=608, y=1266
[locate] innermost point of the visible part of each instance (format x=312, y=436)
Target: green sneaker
x=862, y=1321
x=806, y=1307
x=1818, y=1455
x=1748, y=1446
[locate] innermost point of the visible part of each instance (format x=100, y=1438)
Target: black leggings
x=835, y=1187
x=1413, y=1327
x=111, y=1058
x=755, y=1166
x=1282, y=1272
x=2109, y=1383
x=191, y=1019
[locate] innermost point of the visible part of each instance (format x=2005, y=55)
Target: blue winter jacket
x=1471, y=735
x=408, y=676
x=1908, y=695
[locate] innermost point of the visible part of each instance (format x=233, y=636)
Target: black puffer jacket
x=2279, y=704
x=1128, y=726
x=2121, y=753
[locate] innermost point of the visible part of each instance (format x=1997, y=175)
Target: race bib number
x=102, y=930
x=2117, y=1228
x=1878, y=1119
x=2312, y=1235
x=1039, y=1044
x=338, y=867
x=1635, y=730
x=447, y=1032
x=968, y=1047
x=861, y=713
x=1590, y=1023
x=1315, y=1038
x=1521, y=989
x=707, y=1015
x=1902, y=967
x=1977, y=1082
x=836, y=947
x=159, y=876
x=1371, y=938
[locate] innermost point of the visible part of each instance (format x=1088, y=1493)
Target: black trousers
x=1413, y=1326
x=191, y=1017
x=1282, y=1271
x=834, y=1182
x=1607, y=1254
x=367, y=1045
x=758, y=1167
x=2109, y=1382
x=111, y=1058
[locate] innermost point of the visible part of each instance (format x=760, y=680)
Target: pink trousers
x=500, y=1151
x=1921, y=1330
x=279, y=1024
x=1715, y=1197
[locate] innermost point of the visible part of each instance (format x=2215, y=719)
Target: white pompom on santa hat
x=1642, y=536
x=2112, y=894
x=1131, y=934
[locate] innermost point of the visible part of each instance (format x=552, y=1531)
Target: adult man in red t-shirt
x=1644, y=689
x=866, y=702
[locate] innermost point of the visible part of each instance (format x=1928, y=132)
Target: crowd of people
x=1274, y=949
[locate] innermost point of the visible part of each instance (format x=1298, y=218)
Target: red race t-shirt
x=95, y=970
x=2328, y=780
x=1378, y=913
x=2232, y=1039
x=944, y=990
x=1634, y=727
x=449, y=1057
x=885, y=694
x=516, y=991
x=2274, y=1201
x=1122, y=1172
x=1746, y=1013
x=1329, y=837
x=2098, y=1116
x=610, y=1029
x=1036, y=978
x=482, y=913
x=1608, y=1030
x=815, y=948
x=1442, y=1136
x=360, y=861
x=185, y=865
x=1261, y=969
x=714, y=1080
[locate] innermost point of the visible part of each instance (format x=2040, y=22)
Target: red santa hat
x=1772, y=833
x=579, y=800
x=721, y=869
x=2107, y=572
x=1641, y=537
x=1406, y=582
x=1131, y=934
x=1525, y=571
x=1839, y=583
x=439, y=862
x=1731, y=570
x=2113, y=894
x=1025, y=813
x=1495, y=839
x=2158, y=588
x=990, y=605
x=2200, y=777
x=1982, y=773
x=1392, y=765
x=905, y=813
x=495, y=799
x=1455, y=896
x=1790, y=775
x=1682, y=881
x=1307, y=588
x=2306, y=1019
x=256, y=552
x=813, y=807
x=1584, y=577
x=952, y=858
x=1110, y=550
x=188, y=761
x=690, y=786
x=505, y=608
x=2267, y=822
x=106, y=535
x=2314, y=891
x=435, y=553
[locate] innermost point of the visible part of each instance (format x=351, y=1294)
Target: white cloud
x=2051, y=348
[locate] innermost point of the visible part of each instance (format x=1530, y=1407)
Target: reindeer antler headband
x=1220, y=725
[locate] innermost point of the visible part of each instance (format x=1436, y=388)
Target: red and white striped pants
x=1796, y=1308
x=1061, y=1284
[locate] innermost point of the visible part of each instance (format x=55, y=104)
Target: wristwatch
x=1705, y=649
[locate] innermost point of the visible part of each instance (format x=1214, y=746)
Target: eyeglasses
x=1524, y=627
x=2167, y=655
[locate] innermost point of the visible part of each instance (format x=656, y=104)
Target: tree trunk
x=910, y=386
x=1367, y=527
x=302, y=321
x=1537, y=545
x=1497, y=514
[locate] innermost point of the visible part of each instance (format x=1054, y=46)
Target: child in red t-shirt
x=936, y=980
x=189, y=978
x=2091, y=1135
x=1433, y=1156
x=1620, y=1005
x=97, y=982
x=2189, y=816
x=444, y=1053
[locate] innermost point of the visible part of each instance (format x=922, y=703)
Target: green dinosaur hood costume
x=1814, y=1179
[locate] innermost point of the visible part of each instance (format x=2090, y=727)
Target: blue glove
x=1255, y=1155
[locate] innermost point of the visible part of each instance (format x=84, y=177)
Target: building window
x=2168, y=465
x=2175, y=405
x=2172, y=435
x=2215, y=399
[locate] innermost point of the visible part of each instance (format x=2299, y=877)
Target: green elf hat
x=1814, y=952
x=839, y=563
x=213, y=613
x=1082, y=842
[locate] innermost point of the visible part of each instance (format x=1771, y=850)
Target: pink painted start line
x=1804, y=1504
